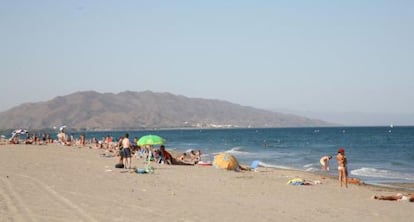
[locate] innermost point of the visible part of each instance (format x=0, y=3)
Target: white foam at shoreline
x=381, y=173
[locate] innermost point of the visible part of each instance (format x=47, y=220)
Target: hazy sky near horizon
x=318, y=56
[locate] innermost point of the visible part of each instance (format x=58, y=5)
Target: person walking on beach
x=342, y=171
x=126, y=150
x=325, y=162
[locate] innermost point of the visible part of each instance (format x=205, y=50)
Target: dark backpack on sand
x=119, y=165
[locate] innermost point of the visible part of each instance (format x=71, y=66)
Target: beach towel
x=296, y=181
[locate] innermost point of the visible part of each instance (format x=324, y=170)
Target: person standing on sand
x=126, y=151
x=342, y=171
x=82, y=140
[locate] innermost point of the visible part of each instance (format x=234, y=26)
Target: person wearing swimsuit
x=126, y=151
x=398, y=197
x=342, y=171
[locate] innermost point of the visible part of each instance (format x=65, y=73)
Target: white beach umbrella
x=19, y=131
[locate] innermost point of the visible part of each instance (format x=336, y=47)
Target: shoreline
x=401, y=187
x=396, y=186
x=392, y=186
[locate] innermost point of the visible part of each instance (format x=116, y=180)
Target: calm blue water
x=375, y=154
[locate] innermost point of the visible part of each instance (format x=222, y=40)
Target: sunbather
x=397, y=197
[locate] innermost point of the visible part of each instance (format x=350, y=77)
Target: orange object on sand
x=354, y=181
x=225, y=161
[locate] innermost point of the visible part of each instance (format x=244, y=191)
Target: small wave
x=236, y=150
x=308, y=165
x=263, y=164
x=311, y=169
x=379, y=173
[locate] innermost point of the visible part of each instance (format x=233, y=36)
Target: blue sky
x=294, y=56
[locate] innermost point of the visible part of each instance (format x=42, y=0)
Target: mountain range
x=90, y=110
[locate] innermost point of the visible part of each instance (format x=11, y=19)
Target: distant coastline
x=91, y=110
x=75, y=130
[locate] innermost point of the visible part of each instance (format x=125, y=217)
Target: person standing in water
x=342, y=171
x=325, y=162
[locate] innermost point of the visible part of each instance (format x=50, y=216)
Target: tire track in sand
x=13, y=204
x=51, y=201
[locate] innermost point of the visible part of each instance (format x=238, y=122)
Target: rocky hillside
x=136, y=110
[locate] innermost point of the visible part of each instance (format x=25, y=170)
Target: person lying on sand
x=243, y=168
x=182, y=160
x=195, y=156
x=167, y=158
x=397, y=197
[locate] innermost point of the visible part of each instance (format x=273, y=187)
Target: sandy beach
x=57, y=183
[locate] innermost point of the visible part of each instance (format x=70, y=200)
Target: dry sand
x=56, y=183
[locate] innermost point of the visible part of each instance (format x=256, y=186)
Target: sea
x=376, y=155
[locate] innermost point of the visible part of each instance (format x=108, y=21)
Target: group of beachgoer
x=343, y=177
x=31, y=138
x=126, y=149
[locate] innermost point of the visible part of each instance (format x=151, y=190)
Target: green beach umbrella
x=150, y=140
